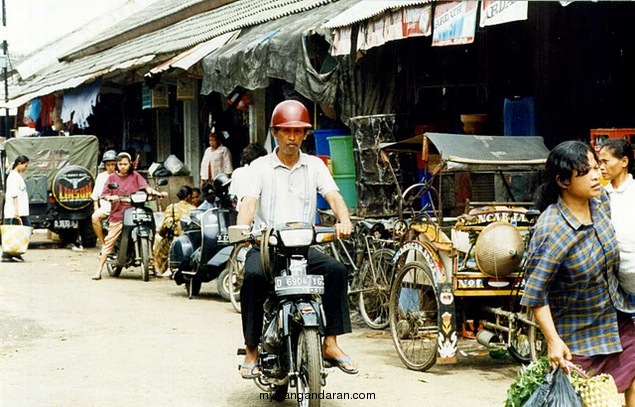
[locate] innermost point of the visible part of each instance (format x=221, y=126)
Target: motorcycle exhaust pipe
x=488, y=338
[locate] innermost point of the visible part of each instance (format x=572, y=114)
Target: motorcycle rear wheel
x=145, y=259
x=309, y=366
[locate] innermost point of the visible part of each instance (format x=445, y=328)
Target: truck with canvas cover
x=60, y=179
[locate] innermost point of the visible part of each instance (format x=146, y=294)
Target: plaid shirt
x=572, y=268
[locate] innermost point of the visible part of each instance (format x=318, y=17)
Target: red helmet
x=290, y=113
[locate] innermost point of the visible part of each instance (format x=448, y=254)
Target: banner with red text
x=454, y=23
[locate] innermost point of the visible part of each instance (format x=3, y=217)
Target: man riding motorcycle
x=283, y=188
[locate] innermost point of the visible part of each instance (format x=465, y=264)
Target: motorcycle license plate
x=65, y=224
x=141, y=216
x=294, y=285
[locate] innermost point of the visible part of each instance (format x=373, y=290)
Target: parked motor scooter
x=201, y=253
x=137, y=234
x=290, y=346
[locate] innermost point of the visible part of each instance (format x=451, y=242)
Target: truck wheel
x=67, y=236
x=87, y=234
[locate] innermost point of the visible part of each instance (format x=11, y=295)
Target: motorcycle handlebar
x=243, y=233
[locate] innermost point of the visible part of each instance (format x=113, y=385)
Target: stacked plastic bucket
x=335, y=144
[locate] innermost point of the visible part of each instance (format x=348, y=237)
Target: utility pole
x=5, y=50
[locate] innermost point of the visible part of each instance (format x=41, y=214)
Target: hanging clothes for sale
x=46, y=113
x=78, y=103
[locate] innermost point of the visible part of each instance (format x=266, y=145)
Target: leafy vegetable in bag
x=528, y=380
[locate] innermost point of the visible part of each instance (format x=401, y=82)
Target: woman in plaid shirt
x=572, y=267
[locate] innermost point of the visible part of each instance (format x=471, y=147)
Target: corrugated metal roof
x=191, y=56
x=163, y=44
x=367, y=9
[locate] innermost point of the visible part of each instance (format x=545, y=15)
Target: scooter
x=201, y=253
x=290, y=346
x=137, y=235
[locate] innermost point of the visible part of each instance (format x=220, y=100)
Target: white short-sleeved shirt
x=623, y=217
x=287, y=194
x=100, y=182
x=240, y=181
x=16, y=187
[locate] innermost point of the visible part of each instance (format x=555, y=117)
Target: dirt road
x=66, y=340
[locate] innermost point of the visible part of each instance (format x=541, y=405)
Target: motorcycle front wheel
x=113, y=271
x=309, y=366
x=144, y=251
x=222, y=284
x=193, y=287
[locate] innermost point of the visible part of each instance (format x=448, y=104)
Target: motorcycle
x=290, y=346
x=137, y=235
x=201, y=253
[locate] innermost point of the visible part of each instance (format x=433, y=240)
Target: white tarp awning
x=366, y=9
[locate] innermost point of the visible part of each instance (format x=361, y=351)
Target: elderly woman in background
x=216, y=159
x=171, y=227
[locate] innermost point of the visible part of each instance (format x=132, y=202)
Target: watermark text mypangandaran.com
x=322, y=396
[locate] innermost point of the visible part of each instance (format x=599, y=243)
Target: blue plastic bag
x=555, y=391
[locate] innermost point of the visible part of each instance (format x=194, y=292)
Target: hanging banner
x=341, y=41
x=371, y=34
x=393, y=25
x=417, y=21
x=495, y=12
x=454, y=23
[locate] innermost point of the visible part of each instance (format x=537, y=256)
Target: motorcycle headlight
x=296, y=237
x=139, y=197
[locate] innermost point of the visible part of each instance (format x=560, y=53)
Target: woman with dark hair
x=616, y=164
x=16, y=202
x=216, y=159
x=128, y=182
x=572, y=266
x=169, y=228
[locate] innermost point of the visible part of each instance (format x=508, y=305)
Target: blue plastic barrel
x=321, y=140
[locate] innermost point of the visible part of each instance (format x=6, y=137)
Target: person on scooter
x=129, y=181
x=102, y=206
x=171, y=227
x=283, y=188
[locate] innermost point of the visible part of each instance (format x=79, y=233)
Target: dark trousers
x=335, y=298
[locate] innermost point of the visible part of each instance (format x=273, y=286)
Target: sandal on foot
x=250, y=368
x=341, y=363
x=96, y=277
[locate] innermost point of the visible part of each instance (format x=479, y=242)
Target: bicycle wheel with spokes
x=414, y=310
x=376, y=278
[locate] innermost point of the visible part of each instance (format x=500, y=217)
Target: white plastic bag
x=175, y=166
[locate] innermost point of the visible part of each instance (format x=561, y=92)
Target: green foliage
x=528, y=380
